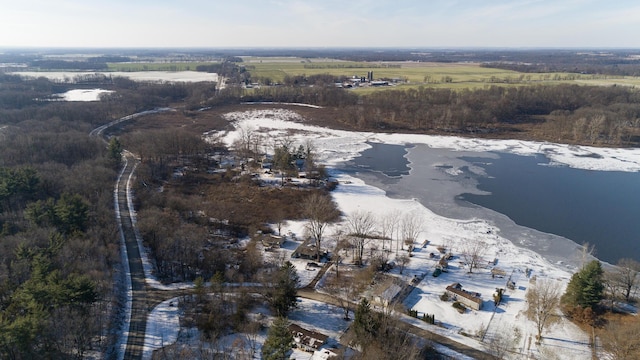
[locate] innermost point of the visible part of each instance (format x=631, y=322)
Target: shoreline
x=338, y=148
x=435, y=180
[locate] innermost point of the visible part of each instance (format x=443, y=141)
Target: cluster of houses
x=357, y=81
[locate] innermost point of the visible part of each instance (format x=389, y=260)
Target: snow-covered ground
x=334, y=147
x=337, y=145
x=81, y=95
x=169, y=76
x=163, y=325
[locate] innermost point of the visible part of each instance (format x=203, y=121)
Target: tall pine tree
x=586, y=286
x=279, y=341
x=283, y=294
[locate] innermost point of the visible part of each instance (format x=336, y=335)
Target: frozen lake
x=536, y=205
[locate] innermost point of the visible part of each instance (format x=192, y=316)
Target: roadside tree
x=282, y=292
x=114, y=151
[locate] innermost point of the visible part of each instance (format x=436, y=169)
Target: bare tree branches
x=620, y=339
x=625, y=277
x=411, y=227
x=319, y=211
x=472, y=252
x=361, y=225
x=543, y=299
x=389, y=226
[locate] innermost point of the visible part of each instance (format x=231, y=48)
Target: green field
x=413, y=74
x=408, y=74
x=156, y=66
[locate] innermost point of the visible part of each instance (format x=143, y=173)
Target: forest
x=61, y=274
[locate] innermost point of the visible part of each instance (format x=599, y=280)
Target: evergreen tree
x=72, y=213
x=114, y=151
x=279, y=341
x=366, y=323
x=283, y=294
x=586, y=286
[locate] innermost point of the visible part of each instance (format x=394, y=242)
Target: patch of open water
x=548, y=209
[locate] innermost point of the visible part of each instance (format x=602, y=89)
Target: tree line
x=562, y=113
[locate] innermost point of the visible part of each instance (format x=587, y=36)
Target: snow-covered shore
x=334, y=147
x=514, y=254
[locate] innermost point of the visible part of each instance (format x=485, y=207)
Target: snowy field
x=168, y=76
x=473, y=328
x=81, y=95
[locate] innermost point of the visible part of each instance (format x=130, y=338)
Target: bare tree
x=472, y=252
x=361, y=225
x=343, y=291
x=586, y=253
x=411, y=227
x=620, y=339
x=504, y=340
x=625, y=277
x=244, y=143
x=609, y=280
x=543, y=299
x=319, y=211
x=403, y=260
x=388, y=226
x=252, y=331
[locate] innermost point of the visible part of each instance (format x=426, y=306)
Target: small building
x=387, y=291
x=470, y=299
x=498, y=272
x=307, y=340
x=270, y=241
x=307, y=250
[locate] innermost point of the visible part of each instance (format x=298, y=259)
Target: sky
x=320, y=23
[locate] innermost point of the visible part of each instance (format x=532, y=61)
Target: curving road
x=141, y=298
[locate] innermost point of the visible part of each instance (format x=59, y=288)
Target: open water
x=549, y=209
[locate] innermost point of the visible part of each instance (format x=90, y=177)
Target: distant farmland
x=156, y=66
x=413, y=74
